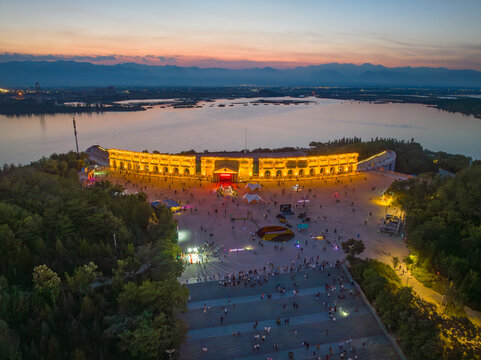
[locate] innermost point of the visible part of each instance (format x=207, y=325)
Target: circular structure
x=275, y=233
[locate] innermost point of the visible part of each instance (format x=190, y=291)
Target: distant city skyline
x=245, y=34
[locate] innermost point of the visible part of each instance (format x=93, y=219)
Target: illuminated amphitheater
x=230, y=167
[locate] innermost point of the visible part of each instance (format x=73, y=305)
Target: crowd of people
x=316, y=249
x=335, y=290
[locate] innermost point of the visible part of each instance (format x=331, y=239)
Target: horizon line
x=207, y=67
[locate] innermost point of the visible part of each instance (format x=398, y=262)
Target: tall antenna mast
x=75, y=133
x=245, y=139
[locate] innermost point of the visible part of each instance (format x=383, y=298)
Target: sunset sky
x=244, y=33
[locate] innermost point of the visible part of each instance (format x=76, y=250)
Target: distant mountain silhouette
x=71, y=73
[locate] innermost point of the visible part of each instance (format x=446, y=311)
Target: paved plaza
x=354, y=332
x=346, y=207
x=340, y=208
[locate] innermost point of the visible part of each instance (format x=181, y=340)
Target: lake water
x=27, y=138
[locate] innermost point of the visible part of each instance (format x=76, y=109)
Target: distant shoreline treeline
x=30, y=107
x=52, y=101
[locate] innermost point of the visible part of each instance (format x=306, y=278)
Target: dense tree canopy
x=85, y=273
x=444, y=226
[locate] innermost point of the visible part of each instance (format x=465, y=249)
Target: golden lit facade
x=308, y=166
x=148, y=163
x=233, y=169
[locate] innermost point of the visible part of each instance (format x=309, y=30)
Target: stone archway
x=176, y=171
x=114, y=164
x=301, y=172
x=333, y=170
x=129, y=166
x=156, y=169
x=137, y=167
x=278, y=173
x=121, y=166
x=146, y=168
x=312, y=172
x=267, y=174
x=289, y=173
x=186, y=171
x=166, y=170
x=350, y=168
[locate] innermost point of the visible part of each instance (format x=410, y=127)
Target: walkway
x=308, y=322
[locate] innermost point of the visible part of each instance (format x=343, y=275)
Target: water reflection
x=27, y=138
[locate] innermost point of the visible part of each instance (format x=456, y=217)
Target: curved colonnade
x=233, y=167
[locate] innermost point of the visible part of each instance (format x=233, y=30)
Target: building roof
x=254, y=156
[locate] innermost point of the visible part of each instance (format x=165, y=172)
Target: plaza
x=339, y=208
x=290, y=289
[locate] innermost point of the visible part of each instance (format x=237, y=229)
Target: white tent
x=252, y=199
x=253, y=187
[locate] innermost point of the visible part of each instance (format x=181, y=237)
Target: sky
x=244, y=33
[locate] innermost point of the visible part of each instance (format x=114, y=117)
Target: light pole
x=170, y=351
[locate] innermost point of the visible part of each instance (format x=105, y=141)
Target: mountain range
x=84, y=74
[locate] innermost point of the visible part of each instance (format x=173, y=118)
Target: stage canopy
x=253, y=187
x=252, y=199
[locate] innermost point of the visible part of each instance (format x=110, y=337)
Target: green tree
x=352, y=248
x=82, y=278
x=46, y=281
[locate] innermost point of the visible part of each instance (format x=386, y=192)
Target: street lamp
x=170, y=351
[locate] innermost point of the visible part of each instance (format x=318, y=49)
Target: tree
x=46, y=281
x=9, y=343
x=82, y=278
x=352, y=248
x=395, y=262
x=146, y=336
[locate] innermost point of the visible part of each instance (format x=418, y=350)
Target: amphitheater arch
x=322, y=171
x=137, y=167
x=333, y=170
x=129, y=166
x=156, y=169
x=289, y=173
x=312, y=172
x=350, y=168
x=121, y=166
x=186, y=171
x=278, y=173
x=166, y=170
x=301, y=172
x=267, y=174
x=176, y=171
x=146, y=168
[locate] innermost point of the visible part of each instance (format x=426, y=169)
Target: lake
x=27, y=138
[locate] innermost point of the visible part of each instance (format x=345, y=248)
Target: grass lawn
x=428, y=279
